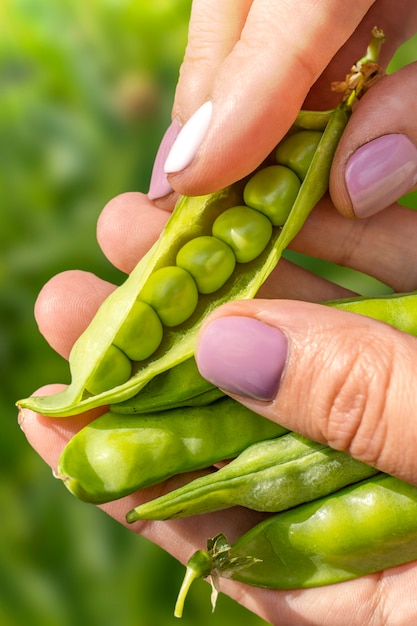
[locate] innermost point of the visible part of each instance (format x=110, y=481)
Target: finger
x=270, y=35
x=228, y=136
x=66, y=305
x=331, y=375
x=376, y=160
x=288, y=278
x=127, y=227
x=382, y=246
x=214, y=29
x=48, y=435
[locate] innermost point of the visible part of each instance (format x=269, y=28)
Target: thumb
x=376, y=160
x=331, y=375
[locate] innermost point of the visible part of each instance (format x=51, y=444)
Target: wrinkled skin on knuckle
x=355, y=416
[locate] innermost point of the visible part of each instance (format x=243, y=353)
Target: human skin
x=380, y=430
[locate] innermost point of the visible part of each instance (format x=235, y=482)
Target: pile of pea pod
x=136, y=357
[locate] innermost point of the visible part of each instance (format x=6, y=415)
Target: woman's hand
x=250, y=65
x=346, y=380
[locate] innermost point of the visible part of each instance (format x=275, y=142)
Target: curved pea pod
x=359, y=530
x=192, y=218
x=118, y=454
x=269, y=476
x=179, y=386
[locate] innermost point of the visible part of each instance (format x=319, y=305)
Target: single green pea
x=209, y=260
x=114, y=369
x=172, y=292
x=273, y=191
x=141, y=333
x=245, y=230
x=296, y=151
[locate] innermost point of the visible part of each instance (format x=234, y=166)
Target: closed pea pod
x=118, y=454
x=359, y=530
x=398, y=310
x=269, y=476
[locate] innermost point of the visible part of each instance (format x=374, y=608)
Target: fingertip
x=376, y=159
x=128, y=226
x=65, y=306
x=47, y=435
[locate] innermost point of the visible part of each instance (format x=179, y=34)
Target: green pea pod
x=359, y=530
x=193, y=217
x=179, y=386
x=269, y=476
x=117, y=454
x=398, y=310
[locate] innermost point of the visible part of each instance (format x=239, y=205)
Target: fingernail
x=380, y=172
x=159, y=185
x=189, y=140
x=243, y=356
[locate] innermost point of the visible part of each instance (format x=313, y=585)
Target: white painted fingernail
x=189, y=140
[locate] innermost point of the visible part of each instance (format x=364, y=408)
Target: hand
x=354, y=355
x=251, y=65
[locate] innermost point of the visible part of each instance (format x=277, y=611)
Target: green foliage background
x=85, y=95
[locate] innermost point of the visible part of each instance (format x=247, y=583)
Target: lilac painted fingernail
x=159, y=185
x=243, y=356
x=380, y=172
x=189, y=140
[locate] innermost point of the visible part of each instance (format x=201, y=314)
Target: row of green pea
x=204, y=264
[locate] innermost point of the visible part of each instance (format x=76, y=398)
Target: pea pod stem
x=359, y=530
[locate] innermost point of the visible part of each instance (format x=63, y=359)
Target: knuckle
x=356, y=420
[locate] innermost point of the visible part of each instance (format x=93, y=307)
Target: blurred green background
x=85, y=94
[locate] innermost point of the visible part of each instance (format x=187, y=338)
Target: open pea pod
x=107, y=364
x=193, y=217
